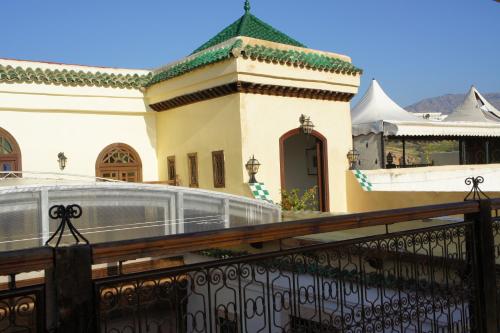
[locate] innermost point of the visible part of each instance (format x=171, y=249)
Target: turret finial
x=247, y=6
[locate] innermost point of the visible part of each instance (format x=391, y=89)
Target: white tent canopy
x=378, y=113
x=474, y=108
x=490, y=111
x=376, y=105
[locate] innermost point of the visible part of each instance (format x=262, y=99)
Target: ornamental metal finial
x=247, y=6
x=475, y=192
x=66, y=214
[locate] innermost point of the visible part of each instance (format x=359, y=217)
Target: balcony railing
x=436, y=279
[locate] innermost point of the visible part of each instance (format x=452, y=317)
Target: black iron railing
x=22, y=309
x=438, y=279
x=418, y=281
x=496, y=250
x=22, y=304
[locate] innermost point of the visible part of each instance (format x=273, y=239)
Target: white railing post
x=44, y=215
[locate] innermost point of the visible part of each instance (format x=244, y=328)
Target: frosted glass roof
x=118, y=211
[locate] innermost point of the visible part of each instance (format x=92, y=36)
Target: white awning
x=377, y=113
x=429, y=128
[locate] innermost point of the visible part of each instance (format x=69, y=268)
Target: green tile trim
x=260, y=192
x=64, y=77
x=250, y=26
x=256, y=52
x=300, y=59
x=362, y=179
x=205, y=58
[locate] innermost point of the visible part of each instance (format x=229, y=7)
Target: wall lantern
x=306, y=124
x=61, y=158
x=252, y=168
x=353, y=157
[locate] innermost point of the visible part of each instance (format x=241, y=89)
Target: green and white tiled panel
x=363, y=180
x=260, y=192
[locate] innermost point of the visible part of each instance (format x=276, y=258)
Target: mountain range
x=447, y=103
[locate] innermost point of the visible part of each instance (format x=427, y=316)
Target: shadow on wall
x=150, y=122
x=359, y=200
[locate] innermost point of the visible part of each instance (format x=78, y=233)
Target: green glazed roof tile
x=300, y=59
x=73, y=78
x=256, y=52
x=204, y=58
x=250, y=26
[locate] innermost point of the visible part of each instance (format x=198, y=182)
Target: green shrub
x=294, y=201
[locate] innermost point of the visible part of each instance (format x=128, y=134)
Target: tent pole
x=487, y=149
x=460, y=152
x=404, y=152
x=382, y=149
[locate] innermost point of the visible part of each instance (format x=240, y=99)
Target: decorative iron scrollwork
x=65, y=214
x=412, y=281
x=475, y=192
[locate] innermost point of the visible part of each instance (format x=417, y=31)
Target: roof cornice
x=72, y=78
x=247, y=48
x=292, y=56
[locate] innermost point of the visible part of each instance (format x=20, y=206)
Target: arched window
x=120, y=162
x=10, y=154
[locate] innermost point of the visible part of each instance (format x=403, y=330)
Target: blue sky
x=415, y=49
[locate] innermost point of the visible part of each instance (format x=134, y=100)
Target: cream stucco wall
x=46, y=119
x=42, y=135
x=202, y=128
x=264, y=119
x=207, y=77
x=247, y=124
x=81, y=121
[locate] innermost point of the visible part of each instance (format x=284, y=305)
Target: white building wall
x=81, y=136
x=46, y=119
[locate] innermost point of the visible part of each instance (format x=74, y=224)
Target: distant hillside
x=446, y=103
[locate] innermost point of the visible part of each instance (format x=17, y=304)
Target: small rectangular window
x=193, y=169
x=219, y=169
x=171, y=170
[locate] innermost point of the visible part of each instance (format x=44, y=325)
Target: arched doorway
x=119, y=161
x=304, y=164
x=10, y=154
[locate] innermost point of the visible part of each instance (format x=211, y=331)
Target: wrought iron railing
x=22, y=309
x=436, y=279
x=417, y=281
x=496, y=249
x=22, y=302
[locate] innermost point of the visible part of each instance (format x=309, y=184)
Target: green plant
x=295, y=201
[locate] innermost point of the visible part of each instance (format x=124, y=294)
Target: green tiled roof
x=300, y=59
x=72, y=78
x=258, y=52
x=205, y=58
x=250, y=26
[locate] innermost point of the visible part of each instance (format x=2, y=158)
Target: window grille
x=171, y=170
x=219, y=169
x=193, y=169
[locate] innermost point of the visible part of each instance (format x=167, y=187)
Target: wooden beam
x=23, y=261
x=250, y=88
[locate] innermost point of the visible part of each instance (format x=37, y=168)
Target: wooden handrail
x=30, y=260
x=495, y=203
x=20, y=261
x=175, y=244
